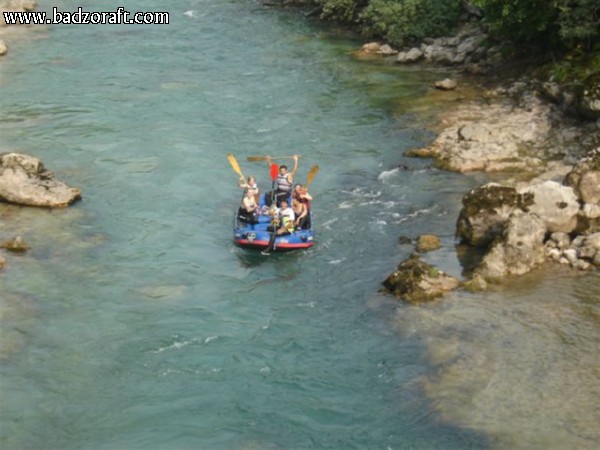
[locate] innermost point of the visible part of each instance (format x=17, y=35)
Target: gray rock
x=485, y=211
x=386, y=50
x=446, y=84
x=518, y=250
x=411, y=56
x=554, y=254
x=555, y=204
x=571, y=255
x=561, y=239
x=582, y=265
x=593, y=240
x=3, y=48
x=470, y=44
x=25, y=181
x=586, y=252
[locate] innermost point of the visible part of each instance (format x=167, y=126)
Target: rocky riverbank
x=540, y=141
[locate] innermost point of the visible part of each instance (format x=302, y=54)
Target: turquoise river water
x=133, y=322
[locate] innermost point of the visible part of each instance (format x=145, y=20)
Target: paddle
x=311, y=175
x=274, y=171
x=266, y=158
x=234, y=165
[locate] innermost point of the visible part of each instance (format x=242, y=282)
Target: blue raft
x=257, y=235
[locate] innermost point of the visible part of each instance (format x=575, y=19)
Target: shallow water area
x=133, y=322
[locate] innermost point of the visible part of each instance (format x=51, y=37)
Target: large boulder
x=518, y=250
x=485, y=211
x=555, y=204
x=25, y=181
x=496, y=137
x=416, y=281
x=411, y=56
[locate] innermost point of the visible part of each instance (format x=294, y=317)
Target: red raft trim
x=263, y=244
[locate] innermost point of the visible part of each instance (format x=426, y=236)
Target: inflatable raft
x=257, y=235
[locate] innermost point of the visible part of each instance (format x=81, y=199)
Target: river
x=133, y=322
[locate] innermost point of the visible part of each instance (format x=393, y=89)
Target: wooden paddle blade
x=234, y=164
x=257, y=158
x=274, y=171
x=311, y=175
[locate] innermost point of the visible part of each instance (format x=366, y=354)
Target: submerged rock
x=417, y=282
x=446, y=84
x=25, y=181
x=16, y=245
x=427, y=243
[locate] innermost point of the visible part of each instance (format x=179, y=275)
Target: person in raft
x=301, y=194
x=284, y=179
x=301, y=214
x=249, y=208
x=282, y=224
x=250, y=184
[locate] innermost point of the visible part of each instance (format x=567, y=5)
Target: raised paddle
x=266, y=158
x=234, y=165
x=274, y=170
x=311, y=175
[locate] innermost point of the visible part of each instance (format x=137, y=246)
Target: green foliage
x=565, y=23
x=400, y=21
x=579, y=21
x=341, y=10
x=396, y=21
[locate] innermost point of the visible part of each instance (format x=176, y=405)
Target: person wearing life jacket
x=283, y=224
x=249, y=208
x=285, y=180
x=251, y=185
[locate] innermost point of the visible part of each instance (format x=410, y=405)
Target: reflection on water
x=520, y=364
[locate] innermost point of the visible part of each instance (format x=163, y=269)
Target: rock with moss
x=475, y=284
x=485, y=211
x=415, y=281
x=15, y=245
x=427, y=243
x=25, y=181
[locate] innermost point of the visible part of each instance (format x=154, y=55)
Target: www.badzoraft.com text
x=81, y=17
